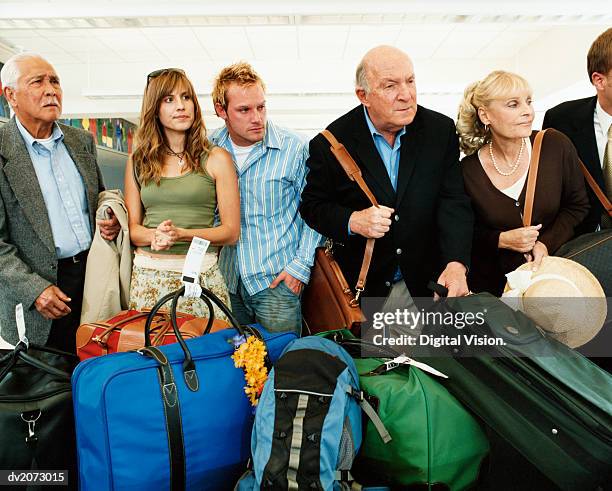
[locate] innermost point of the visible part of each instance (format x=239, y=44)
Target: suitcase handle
x=189, y=373
x=21, y=352
x=441, y=290
x=206, y=296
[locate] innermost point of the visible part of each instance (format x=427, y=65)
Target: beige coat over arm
x=109, y=265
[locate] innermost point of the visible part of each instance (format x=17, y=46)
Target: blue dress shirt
x=63, y=191
x=390, y=157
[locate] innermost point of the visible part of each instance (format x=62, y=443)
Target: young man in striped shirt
x=267, y=269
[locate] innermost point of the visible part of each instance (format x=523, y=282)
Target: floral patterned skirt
x=152, y=278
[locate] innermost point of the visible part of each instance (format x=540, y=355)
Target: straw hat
x=562, y=297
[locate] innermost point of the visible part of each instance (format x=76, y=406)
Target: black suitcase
x=36, y=415
x=548, y=409
x=594, y=252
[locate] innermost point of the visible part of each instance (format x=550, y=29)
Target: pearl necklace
x=516, y=162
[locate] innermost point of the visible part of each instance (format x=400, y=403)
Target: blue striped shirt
x=273, y=236
x=63, y=191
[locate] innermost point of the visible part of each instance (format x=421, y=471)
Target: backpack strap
x=347, y=481
x=370, y=413
x=296, y=442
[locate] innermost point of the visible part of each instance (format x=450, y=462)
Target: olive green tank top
x=190, y=201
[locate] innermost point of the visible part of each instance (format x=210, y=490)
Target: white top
x=602, y=121
x=241, y=154
x=46, y=142
x=514, y=191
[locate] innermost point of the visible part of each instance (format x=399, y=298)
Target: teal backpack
x=308, y=423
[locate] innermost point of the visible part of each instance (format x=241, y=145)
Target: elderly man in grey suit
x=49, y=185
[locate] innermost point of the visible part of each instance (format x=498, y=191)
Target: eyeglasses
x=161, y=71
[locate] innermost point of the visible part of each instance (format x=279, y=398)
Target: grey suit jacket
x=28, y=262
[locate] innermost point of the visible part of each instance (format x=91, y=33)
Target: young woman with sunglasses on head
x=175, y=182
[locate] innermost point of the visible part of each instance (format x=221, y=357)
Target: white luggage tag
x=405, y=360
x=21, y=330
x=191, y=268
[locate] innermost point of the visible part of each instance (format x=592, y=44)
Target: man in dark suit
x=49, y=185
x=409, y=158
x=587, y=122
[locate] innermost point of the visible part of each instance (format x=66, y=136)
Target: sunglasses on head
x=161, y=71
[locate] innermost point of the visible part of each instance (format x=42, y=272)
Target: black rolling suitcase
x=548, y=409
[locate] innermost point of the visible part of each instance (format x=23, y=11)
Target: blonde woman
x=175, y=182
x=494, y=127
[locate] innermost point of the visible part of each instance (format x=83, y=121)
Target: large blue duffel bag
x=167, y=418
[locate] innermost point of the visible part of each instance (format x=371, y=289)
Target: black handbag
x=36, y=415
x=594, y=250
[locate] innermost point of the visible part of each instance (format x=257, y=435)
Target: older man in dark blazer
x=409, y=158
x=49, y=185
x=588, y=123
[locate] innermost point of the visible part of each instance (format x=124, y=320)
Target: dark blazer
x=28, y=262
x=432, y=223
x=575, y=119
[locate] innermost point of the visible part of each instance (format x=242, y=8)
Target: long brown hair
x=150, y=140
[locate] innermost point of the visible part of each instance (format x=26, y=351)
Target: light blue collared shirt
x=63, y=190
x=273, y=235
x=389, y=155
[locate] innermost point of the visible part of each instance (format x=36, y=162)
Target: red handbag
x=125, y=332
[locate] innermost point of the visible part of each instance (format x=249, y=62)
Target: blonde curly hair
x=471, y=130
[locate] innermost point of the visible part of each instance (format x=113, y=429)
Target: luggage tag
x=404, y=360
x=21, y=330
x=191, y=268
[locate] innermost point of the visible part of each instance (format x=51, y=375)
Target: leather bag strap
x=348, y=164
x=532, y=178
x=601, y=196
x=172, y=414
x=354, y=174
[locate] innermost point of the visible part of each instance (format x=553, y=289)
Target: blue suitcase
x=173, y=417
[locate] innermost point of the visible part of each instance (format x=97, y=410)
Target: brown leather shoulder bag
x=328, y=302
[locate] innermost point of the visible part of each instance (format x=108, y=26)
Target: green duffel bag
x=435, y=440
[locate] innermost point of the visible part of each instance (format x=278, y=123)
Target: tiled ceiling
x=103, y=49
x=328, y=42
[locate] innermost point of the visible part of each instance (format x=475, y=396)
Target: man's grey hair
x=361, y=77
x=10, y=71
